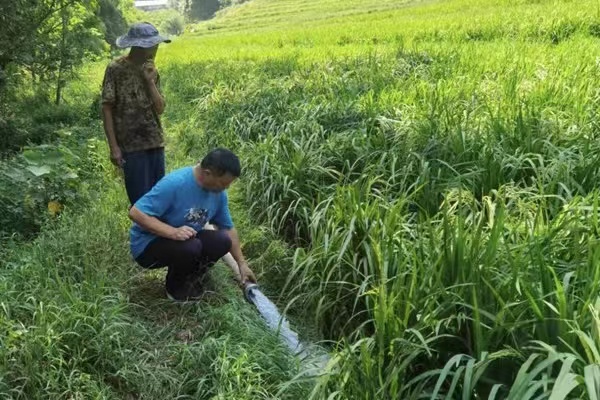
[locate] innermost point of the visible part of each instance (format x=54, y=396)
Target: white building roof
x=150, y=3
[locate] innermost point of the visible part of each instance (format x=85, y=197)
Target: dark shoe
x=188, y=291
x=202, y=280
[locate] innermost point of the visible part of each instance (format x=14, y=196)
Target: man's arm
x=235, y=259
x=236, y=248
x=236, y=251
x=151, y=75
x=109, y=129
x=159, y=228
x=157, y=99
x=108, y=97
x=222, y=221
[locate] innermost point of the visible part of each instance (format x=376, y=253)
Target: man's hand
x=116, y=157
x=150, y=71
x=182, y=233
x=151, y=76
x=159, y=228
x=246, y=274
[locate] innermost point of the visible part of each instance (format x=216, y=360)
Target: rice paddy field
x=419, y=195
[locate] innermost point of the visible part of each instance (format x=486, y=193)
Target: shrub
x=175, y=25
x=39, y=183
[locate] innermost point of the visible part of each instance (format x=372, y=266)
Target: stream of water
x=307, y=354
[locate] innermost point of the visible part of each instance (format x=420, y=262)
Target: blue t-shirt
x=178, y=200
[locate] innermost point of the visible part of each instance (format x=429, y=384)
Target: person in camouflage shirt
x=132, y=103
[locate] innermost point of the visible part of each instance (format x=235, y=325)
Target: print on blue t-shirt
x=178, y=200
x=197, y=216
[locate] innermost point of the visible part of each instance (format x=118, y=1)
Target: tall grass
x=435, y=166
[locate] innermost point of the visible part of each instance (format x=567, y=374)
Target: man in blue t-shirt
x=169, y=223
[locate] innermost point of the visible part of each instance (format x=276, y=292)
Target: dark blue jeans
x=142, y=169
x=187, y=258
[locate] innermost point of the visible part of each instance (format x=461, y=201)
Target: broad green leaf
x=566, y=381
x=454, y=361
x=494, y=391
x=39, y=171
x=71, y=175
x=592, y=381
x=16, y=174
x=35, y=157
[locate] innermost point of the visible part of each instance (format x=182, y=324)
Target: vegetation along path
x=419, y=194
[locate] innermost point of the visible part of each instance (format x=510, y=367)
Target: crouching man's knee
x=215, y=243
x=223, y=242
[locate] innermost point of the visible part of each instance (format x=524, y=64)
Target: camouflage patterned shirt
x=136, y=124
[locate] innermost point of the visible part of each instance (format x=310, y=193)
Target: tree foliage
x=113, y=17
x=46, y=40
x=174, y=25
x=201, y=9
x=71, y=35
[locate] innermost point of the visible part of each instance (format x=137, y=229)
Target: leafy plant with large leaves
x=41, y=181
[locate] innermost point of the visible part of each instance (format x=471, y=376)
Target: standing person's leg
x=157, y=166
x=142, y=170
x=183, y=259
x=135, y=171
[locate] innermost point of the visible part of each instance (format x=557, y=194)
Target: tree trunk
x=61, y=67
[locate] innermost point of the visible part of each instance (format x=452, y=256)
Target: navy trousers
x=185, y=259
x=142, y=169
